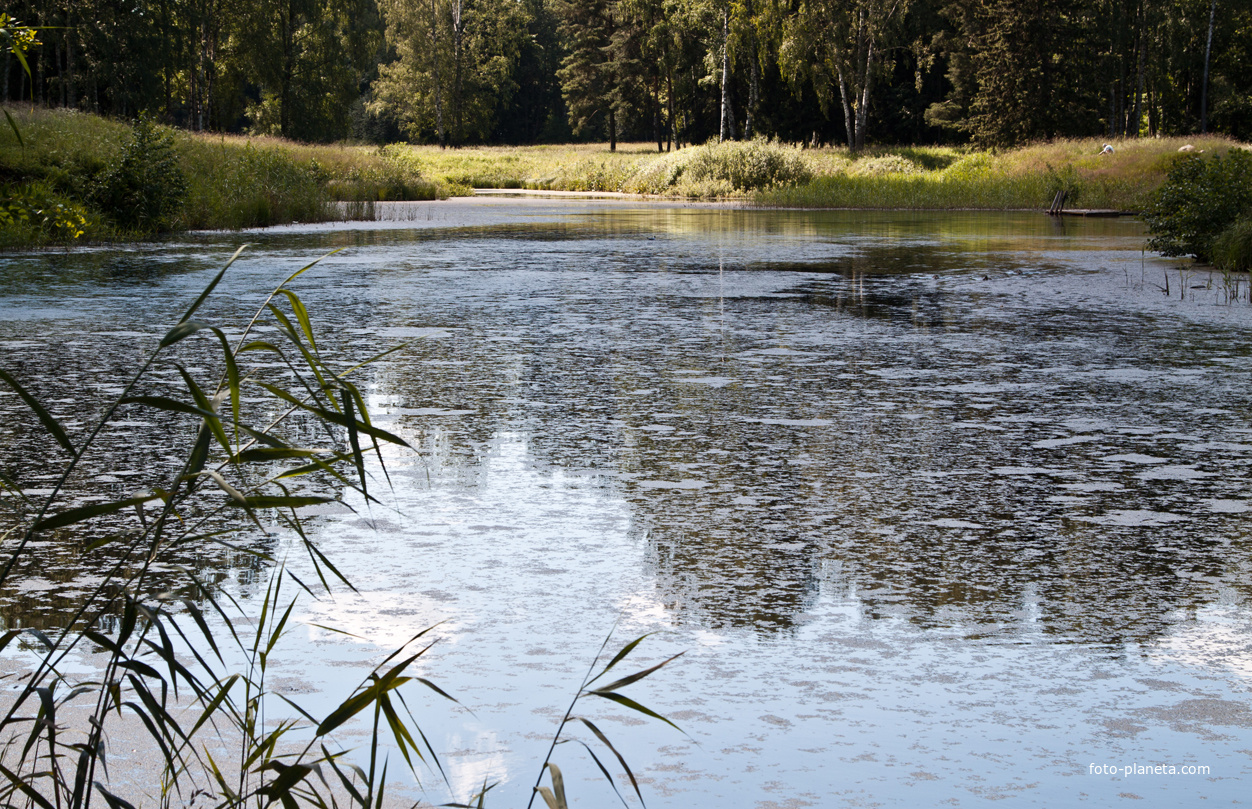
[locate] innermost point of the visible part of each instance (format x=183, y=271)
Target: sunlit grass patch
x=231, y=181
x=1025, y=178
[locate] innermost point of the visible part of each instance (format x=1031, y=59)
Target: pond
x=941, y=508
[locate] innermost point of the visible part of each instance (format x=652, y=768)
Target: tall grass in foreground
x=268, y=438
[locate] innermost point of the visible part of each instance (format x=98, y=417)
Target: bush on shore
x=721, y=169
x=1201, y=205
x=1232, y=249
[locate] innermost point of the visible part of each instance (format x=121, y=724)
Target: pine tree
x=588, y=74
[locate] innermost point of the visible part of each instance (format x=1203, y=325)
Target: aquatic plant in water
x=265, y=443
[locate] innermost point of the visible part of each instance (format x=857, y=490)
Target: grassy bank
x=80, y=177
x=946, y=178
x=884, y=177
x=61, y=185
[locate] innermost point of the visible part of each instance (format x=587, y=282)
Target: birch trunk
x=727, y=131
x=849, y=120
x=1204, y=85
x=862, y=108
x=754, y=76
x=434, y=71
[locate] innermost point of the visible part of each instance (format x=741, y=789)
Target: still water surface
x=942, y=508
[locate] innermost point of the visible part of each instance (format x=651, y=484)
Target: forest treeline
x=454, y=72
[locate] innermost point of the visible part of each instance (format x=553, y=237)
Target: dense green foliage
x=144, y=189
x=992, y=72
x=1232, y=249
x=1202, y=197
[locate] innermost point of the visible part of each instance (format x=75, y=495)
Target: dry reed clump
x=245, y=182
x=716, y=170
x=886, y=164
x=590, y=174
x=748, y=166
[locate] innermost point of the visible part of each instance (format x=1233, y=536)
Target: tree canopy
x=992, y=72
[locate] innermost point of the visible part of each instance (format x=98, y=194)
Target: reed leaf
x=232, y=378
x=211, y=708
x=17, y=133
x=621, y=655
x=302, y=316
x=82, y=513
x=362, y=700
x=636, y=677
x=609, y=776
x=45, y=418
x=208, y=290
x=634, y=706
x=620, y=760
x=267, y=454
x=336, y=418
x=290, y=330
x=555, y=797
x=205, y=404
x=349, y=413
x=181, y=331
x=112, y=800
x=19, y=784
x=308, y=267
x=170, y=405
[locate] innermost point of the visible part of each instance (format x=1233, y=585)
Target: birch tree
x=838, y=45
x=455, y=66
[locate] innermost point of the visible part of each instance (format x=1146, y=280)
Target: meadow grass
x=569, y=167
x=917, y=177
x=1025, y=178
x=231, y=181
x=49, y=186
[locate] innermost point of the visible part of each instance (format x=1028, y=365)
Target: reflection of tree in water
x=843, y=440
x=893, y=482
x=138, y=268
x=841, y=435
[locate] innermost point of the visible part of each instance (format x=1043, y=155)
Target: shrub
x=1232, y=249
x=144, y=189
x=1201, y=198
x=660, y=175
x=721, y=169
x=748, y=166
x=34, y=213
x=968, y=167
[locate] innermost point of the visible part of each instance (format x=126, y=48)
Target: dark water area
x=944, y=508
